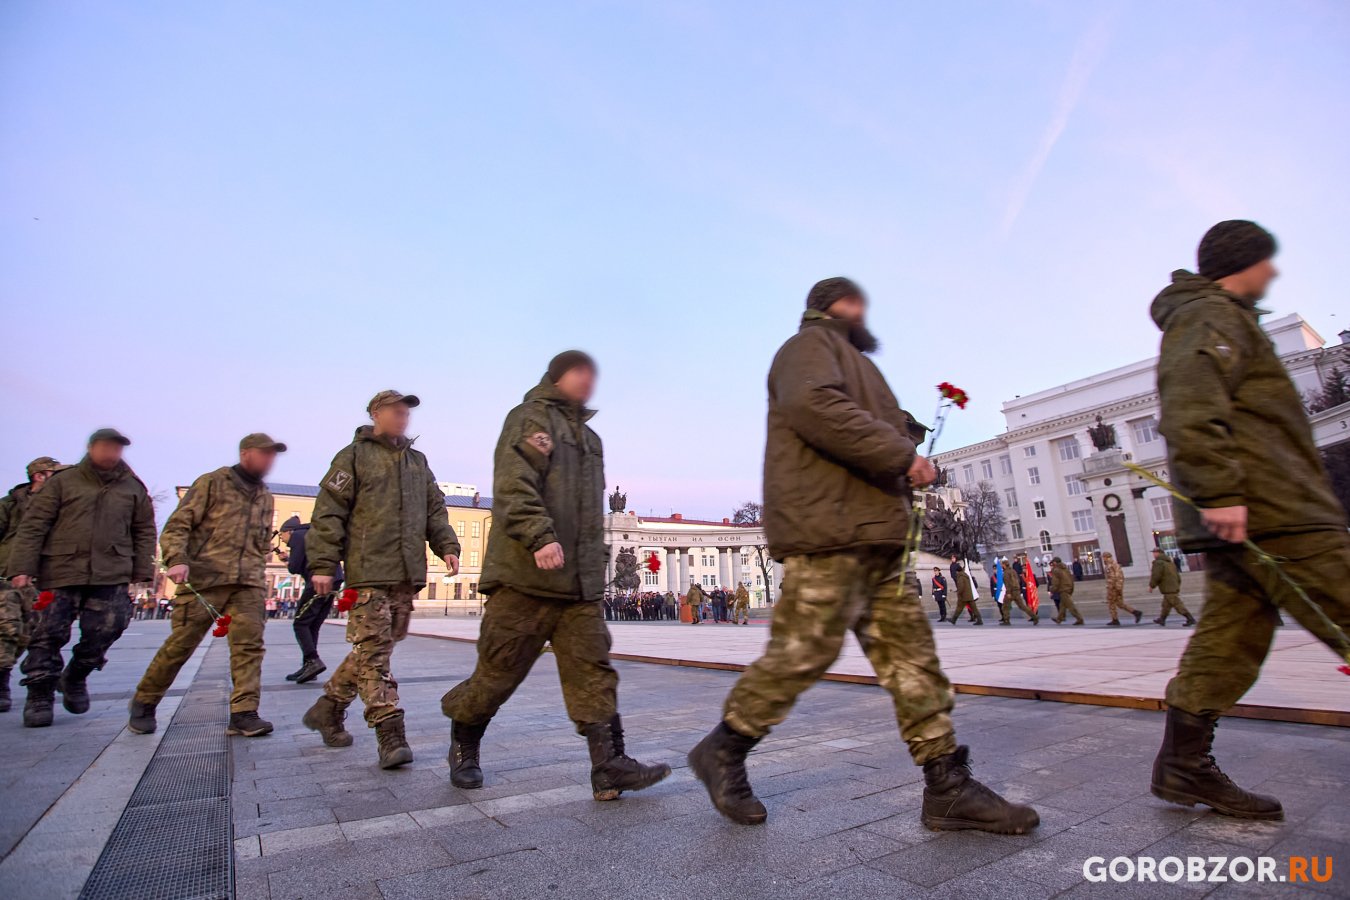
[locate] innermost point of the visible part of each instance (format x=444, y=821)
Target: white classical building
x=1063, y=497
x=711, y=554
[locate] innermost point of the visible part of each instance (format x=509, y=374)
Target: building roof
x=680, y=520
x=308, y=490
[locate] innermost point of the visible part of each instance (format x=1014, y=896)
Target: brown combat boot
x=612, y=770
x=74, y=690
x=465, y=772
x=954, y=801
x=394, y=749
x=1185, y=772
x=326, y=717
x=719, y=762
x=37, y=709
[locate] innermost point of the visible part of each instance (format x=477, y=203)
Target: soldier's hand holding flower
x=549, y=557
x=178, y=574
x=922, y=472
x=323, y=584
x=1228, y=523
x=21, y=581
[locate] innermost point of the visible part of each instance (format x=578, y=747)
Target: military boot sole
x=141, y=729
x=76, y=705
x=467, y=782
x=754, y=817
x=341, y=739
x=37, y=720
x=654, y=775
x=943, y=823
x=399, y=756
x=1184, y=798
x=306, y=675
x=265, y=728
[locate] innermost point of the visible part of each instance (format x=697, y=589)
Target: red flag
x=1029, y=579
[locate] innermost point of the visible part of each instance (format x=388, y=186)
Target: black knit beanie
x=568, y=359
x=1232, y=246
x=825, y=293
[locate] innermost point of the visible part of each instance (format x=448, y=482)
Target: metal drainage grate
x=175, y=838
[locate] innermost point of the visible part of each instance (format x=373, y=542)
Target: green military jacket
x=548, y=485
x=378, y=508
x=694, y=596
x=1012, y=582
x=965, y=592
x=1164, y=576
x=1236, y=431
x=837, y=449
x=12, y=507
x=221, y=530
x=87, y=527
x=1061, y=580
x=742, y=596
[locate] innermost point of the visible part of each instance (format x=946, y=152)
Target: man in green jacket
x=839, y=465
x=694, y=599
x=965, y=597
x=85, y=536
x=1165, y=577
x=544, y=575
x=378, y=508
x=1012, y=596
x=1241, y=450
x=16, y=604
x=215, y=547
x=1062, y=583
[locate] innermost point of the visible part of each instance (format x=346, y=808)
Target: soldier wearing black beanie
x=1232, y=246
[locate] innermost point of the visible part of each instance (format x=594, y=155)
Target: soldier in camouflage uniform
x=85, y=536
x=216, y=545
x=1062, y=583
x=741, y=611
x=840, y=463
x=1241, y=450
x=1165, y=577
x=694, y=599
x=544, y=576
x=1115, y=591
x=16, y=604
x=378, y=508
x=965, y=597
x=1012, y=594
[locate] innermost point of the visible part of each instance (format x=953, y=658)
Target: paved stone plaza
x=843, y=797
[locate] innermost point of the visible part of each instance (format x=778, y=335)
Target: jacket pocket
x=61, y=548
x=122, y=549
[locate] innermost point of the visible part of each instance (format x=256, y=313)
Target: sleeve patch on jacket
x=541, y=441
x=338, y=481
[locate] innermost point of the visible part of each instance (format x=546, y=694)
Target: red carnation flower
x=1344, y=670
x=220, y=631
x=653, y=563
x=44, y=600
x=224, y=621
x=347, y=600
x=953, y=393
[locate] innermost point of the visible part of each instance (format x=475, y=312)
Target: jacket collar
x=367, y=433
x=116, y=473
x=548, y=392
x=859, y=338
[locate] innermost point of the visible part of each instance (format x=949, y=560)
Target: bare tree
x=752, y=513
x=977, y=524
x=1336, y=457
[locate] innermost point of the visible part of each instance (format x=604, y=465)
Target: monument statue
x=626, y=578
x=617, y=501
x=1103, y=436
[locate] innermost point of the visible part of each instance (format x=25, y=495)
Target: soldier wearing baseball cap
x=259, y=441
x=111, y=435
x=388, y=398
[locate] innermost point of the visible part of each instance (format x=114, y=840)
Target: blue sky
x=221, y=218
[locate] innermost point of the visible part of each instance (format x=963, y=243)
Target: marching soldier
x=1241, y=450
x=840, y=464
x=544, y=576
x=1062, y=584
x=1115, y=591
x=1165, y=577
x=741, y=612
x=1012, y=593
x=965, y=598
x=85, y=536
x=215, y=547
x=16, y=604
x=378, y=509
x=694, y=598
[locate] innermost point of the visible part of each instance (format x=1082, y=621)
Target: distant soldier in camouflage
x=378, y=508
x=840, y=463
x=1012, y=595
x=1165, y=577
x=216, y=544
x=85, y=536
x=1115, y=591
x=965, y=597
x=545, y=579
x=1240, y=448
x=16, y=604
x=1062, y=583
x=741, y=611
x=694, y=600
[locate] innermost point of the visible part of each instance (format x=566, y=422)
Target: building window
x=1039, y=507
x=473, y=559
x=1016, y=527
x=459, y=528
x=649, y=579
x=986, y=469
x=1046, y=544
x=1005, y=464
x=1068, y=449
x=476, y=529
x=1010, y=496
x=1029, y=452
x=1145, y=431
x=1082, y=520
x=745, y=560
x=1033, y=475
x=968, y=474
x=1073, y=485
x=691, y=560
x=1162, y=510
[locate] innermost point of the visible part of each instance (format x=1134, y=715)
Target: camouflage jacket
x=548, y=485
x=378, y=508
x=12, y=507
x=1164, y=576
x=694, y=596
x=1236, y=431
x=1115, y=575
x=1061, y=580
x=87, y=527
x=221, y=530
x=837, y=448
x=742, y=596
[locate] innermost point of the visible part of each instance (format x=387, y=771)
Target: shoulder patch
x=541, y=441
x=338, y=481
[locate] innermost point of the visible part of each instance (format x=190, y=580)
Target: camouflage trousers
x=741, y=613
x=1011, y=597
x=1226, y=650
x=515, y=628
x=824, y=596
x=1067, y=607
x=190, y=621
x=377, y=622
x=16, y=612
x=103, y=611
x=1115, y=601
x=1173, y=602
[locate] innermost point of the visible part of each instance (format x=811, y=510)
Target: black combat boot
x=613, y=771
x=1138, y=617
x=719, y=762
x=37, y=711
x=326, y=717
x=248, y=723
x=312, y=668
x=1185, y=772
x=74, y=691
x=464, y=769
x=4, y=690
x=1161, y=620
x=142, y=717
x=1114, y=622
x=394, y=749
x=1190, y=620
x=954, y=801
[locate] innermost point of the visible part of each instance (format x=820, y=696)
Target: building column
x=724, y=568
x=672, y=582
x=736, y=573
